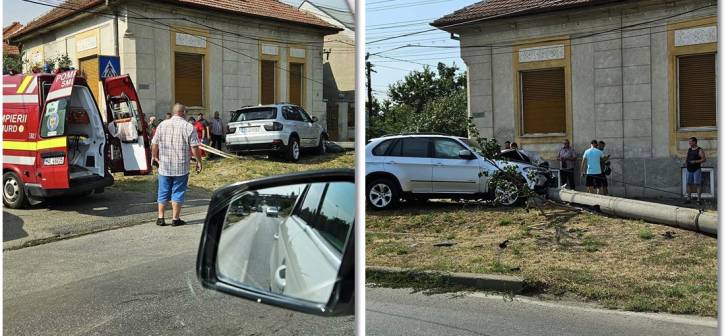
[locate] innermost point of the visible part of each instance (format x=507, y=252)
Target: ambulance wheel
x=13, y=191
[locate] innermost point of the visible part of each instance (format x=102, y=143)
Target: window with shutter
x=543, y=101
x=188, y=79
x=696, y=90
x=267, y=82
x=90, y=68
x=295, y=84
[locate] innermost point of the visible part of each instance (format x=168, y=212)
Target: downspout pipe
x=675, y=216
x=116, y=32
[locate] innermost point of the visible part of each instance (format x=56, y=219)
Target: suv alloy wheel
x=382, y=194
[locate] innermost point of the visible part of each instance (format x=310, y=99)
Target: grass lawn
x=217, y=173
x=618, y=263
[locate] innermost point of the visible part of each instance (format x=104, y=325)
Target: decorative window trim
x=175, y=48
x=547, y=63
x=676, y=133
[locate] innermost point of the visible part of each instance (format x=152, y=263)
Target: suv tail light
x=231, y=130
x=275, y=126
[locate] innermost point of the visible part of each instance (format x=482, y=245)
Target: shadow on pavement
x=12, y=227
x=115, y=203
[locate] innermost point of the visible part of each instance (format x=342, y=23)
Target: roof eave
x=21, y=34
x=332, y=29
x=442, y=24
x=61, y=21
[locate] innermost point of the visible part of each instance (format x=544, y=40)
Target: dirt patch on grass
x=619, y=263
x=217, y=173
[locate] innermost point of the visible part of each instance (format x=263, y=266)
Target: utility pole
x=369, y=85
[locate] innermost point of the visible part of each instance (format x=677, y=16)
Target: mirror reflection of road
x=138, y=280
x=246, y=247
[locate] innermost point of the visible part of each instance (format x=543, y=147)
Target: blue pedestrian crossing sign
x=109, y=66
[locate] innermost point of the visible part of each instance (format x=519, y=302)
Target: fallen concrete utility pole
x=690, y=219
x=212, y=150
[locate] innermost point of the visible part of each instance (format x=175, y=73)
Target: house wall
x=94, y=32
x=231, y=60
x=619, y=92
x=339, y=70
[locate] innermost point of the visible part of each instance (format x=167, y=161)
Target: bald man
x=172, y=144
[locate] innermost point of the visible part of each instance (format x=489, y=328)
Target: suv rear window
x=415, y=147
x=261, y=113
x=381, y=149
x=291, y=113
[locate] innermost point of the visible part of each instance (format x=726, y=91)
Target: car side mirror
x=466, y=154
x=286, y=241
x=314, y=118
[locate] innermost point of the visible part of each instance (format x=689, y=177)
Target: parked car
x=271, y=212
x=303, y=262
x=279, y=129
x=426, y=166
x=307, y=268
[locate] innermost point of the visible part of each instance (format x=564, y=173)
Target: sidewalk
x=64, y=218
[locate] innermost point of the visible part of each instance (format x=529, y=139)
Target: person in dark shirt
x=695, y=157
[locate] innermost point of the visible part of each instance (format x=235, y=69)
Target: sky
x=387, y=18
x=23, y=12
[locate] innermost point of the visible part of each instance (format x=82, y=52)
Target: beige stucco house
x=210, y=55
x=339, y=77
x=640, y=75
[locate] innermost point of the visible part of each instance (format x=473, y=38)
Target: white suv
x=426, y=166
x=275, y=129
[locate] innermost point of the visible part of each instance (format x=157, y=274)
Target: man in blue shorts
x=591, y=166
x=172, y=144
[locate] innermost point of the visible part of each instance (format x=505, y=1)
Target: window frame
x=518, y=66
x=303, y=80
x=679, y=137
x=204, y=51
x=434, y=148
x=522, y=104
x=203, y=86
x=677, y=94
x=275, y=80
x=400, y=142
x=392, y=142
x=291, y=109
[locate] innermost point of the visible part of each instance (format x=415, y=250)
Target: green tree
x=11, y=62
x=424, y=101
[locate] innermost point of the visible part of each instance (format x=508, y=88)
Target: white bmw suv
x=427, y=166
x=282, y=129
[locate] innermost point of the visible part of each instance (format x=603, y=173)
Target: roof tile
x=494, y=9
x=262, y=8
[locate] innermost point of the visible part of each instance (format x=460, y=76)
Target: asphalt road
x=400, y=312
x=245, y=250
x=138, y=280
x=70, y=216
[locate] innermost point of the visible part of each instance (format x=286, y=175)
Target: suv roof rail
x=416, y=133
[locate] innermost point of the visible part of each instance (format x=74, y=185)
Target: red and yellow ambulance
x=56, y=143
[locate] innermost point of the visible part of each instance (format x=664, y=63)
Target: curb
x=93, y=226
x=487, y=282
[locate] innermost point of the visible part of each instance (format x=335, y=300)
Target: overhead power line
x=259, y=38
x=169, y=29
x=488, y=53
